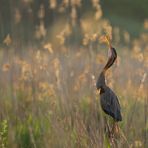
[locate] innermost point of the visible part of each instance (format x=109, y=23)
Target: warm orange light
x=105, y=39
x=108, y=40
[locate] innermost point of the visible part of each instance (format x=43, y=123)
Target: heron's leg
x=108, y=131
x=107, y=127
x=115, y=128
x=112, y=135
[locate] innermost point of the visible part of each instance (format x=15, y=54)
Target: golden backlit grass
x=49, y=98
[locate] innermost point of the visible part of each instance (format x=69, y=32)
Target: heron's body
x=109, y=101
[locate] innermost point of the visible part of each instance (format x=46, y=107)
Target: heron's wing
x=106, y=101
x=110, y=104
x=114, y=99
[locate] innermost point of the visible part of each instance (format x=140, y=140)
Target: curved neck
x=112, y=55
x=102, y=77
x=101, y=80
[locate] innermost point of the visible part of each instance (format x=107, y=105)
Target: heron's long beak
x=108, y=41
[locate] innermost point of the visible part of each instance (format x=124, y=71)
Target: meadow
x=48, y=97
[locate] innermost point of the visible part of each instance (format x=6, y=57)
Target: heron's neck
x=102, y=76
x=112, y=55
x=109, y=52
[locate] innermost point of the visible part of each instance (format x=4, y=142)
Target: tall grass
x=47, y=93
x=49, y=99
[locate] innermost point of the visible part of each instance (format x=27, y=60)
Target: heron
x=108, y=99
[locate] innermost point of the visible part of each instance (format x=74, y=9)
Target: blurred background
x=29, y=21
x=50, y=58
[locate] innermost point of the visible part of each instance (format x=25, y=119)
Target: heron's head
x=111, y=52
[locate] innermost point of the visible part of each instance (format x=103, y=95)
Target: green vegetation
x=4, y=134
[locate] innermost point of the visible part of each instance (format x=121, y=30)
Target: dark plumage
x=108, y=99
x=112, y=57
